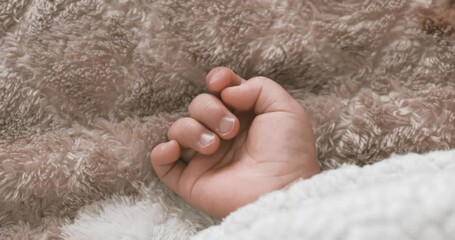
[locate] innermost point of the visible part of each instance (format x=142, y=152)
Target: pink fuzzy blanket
x=88, y=87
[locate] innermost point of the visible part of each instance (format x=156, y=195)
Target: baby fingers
x=212, y=113
x=190, y=133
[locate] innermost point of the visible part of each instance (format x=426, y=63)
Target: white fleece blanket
x=403, y=197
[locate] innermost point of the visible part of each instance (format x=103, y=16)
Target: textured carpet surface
x=88, y=87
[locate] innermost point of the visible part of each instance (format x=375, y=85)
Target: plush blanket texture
x=409, y=197
x=404, y=197
x=88, y=87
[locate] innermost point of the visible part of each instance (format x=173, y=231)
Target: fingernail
x=226, y=125
x=206, y=139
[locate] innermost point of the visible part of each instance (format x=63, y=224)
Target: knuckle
x=260, y=82
x=182, y=124
x=198, y=100
x=203, y=97
x=203, y=104
x=185, y=123
x=260, y=79
x=210, y=107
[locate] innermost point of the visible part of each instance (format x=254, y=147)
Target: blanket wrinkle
x=88, y=87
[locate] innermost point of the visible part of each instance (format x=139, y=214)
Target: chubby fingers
x=190, y=133
x=185, y=134
x=260, y=95
x=212, y=113
x=165, y=161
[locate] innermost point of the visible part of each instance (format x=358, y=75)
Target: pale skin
x=240, y=141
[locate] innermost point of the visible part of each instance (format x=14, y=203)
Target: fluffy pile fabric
x=404, y=197
x=88, y=87
x=409, y=197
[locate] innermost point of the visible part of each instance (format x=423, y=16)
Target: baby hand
x=243, y=140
